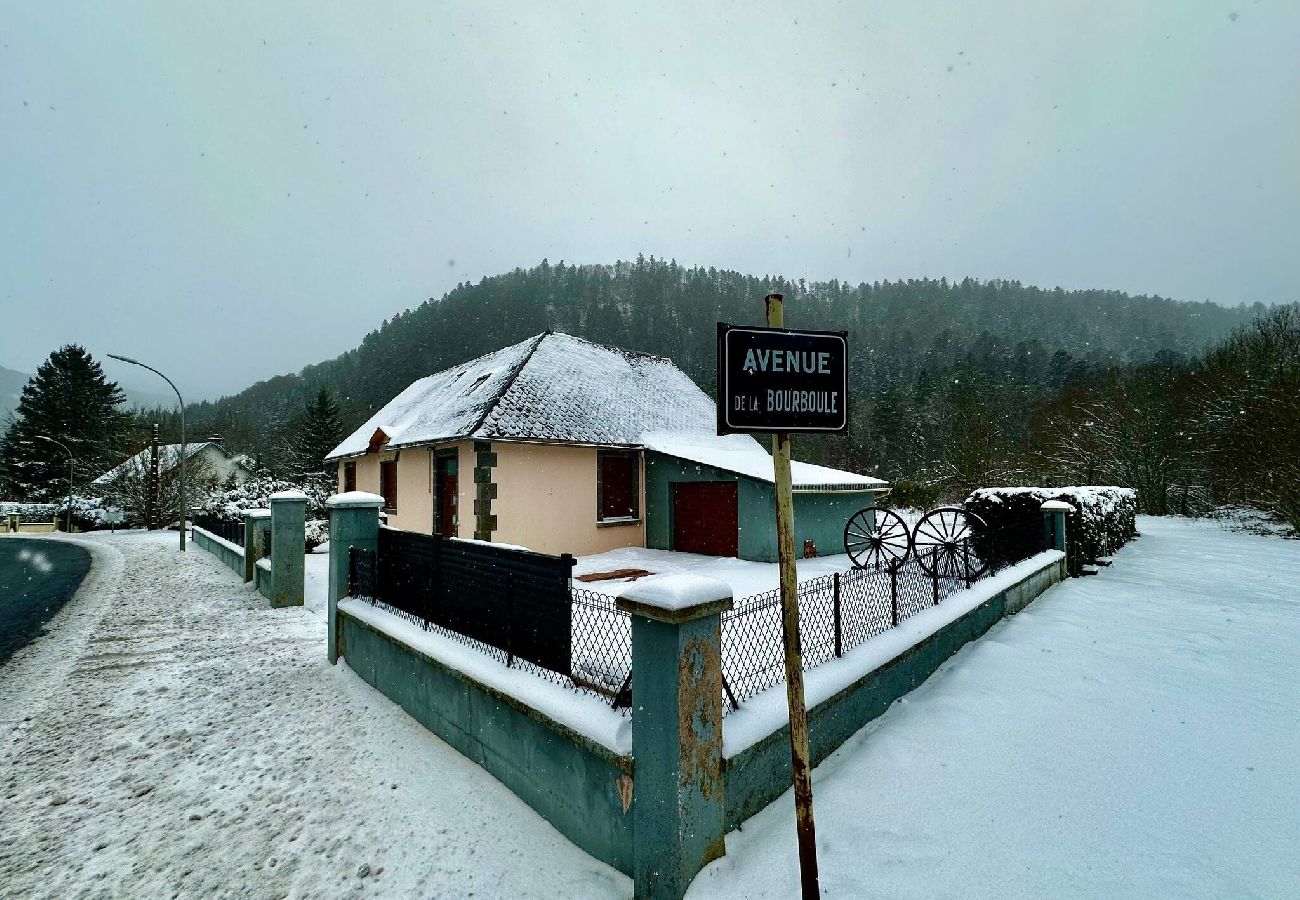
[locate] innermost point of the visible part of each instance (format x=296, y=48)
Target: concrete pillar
x=677, y=798
x=288, y=547
x=354, y=522
x=255, y=522
x=1054, y=525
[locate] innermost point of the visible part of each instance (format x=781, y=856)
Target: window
x=616, y=485
x=388, y=484
x=349, y=476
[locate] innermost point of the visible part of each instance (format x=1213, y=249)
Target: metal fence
x=837, y=612
x=512, y=604
x=222, y=528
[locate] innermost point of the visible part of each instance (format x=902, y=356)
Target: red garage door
x=705, y=518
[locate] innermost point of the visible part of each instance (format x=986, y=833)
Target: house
x=566, y=446
x=207, y=457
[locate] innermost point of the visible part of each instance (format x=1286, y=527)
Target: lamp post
x=183, y=462
x=71, y=458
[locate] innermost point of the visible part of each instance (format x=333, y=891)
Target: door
x=705, y=518
x=446, y=484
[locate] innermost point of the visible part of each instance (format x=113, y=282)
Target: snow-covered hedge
x=91, y=513
x=255, y=493
x=29, y=512
x=1103, y=520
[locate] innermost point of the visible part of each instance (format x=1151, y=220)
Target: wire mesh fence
x=837, y=612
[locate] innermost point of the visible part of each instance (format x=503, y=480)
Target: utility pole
x=800, y=762
x=154, y=487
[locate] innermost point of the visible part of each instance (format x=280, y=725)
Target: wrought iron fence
x=222, y=528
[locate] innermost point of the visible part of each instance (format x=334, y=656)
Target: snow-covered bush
x=231, y=504
x=256, y=493
x=90, y=513
x=29, y=512
x=318, y=532
x=1103, y=520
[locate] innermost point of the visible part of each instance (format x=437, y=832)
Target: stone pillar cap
x=257, y=513
x=1057, y=506
x=354, y=499
x=289, y=495
x=676, y=598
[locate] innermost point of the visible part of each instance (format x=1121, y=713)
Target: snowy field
x=174, y=737
x=1132, y=734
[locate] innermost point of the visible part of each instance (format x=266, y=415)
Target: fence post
x=354, y=522
x=677, y=798
x=288, y=547
x=835, y=609
x=893, y=590
x=1054, y=525
x=254, y=519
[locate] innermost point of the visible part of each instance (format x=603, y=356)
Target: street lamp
x=70, y=461
x=181, y=400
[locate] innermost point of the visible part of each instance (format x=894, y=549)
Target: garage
x=705, y=518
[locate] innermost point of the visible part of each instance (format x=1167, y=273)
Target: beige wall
x=546, y=501
x=546, y=496
x=415, y=486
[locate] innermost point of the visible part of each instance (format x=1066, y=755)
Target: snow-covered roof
x=558, y=388
x=168, y=456
x=551, y=387
x=742, y=454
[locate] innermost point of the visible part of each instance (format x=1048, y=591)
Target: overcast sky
x=231, y=191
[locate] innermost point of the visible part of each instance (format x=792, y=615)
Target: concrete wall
x=759, y=774
x=231, y=556
x=817, y=517
x=576, y=784
x=262, y=577
x=546, y=501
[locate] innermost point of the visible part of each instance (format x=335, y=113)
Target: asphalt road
x=36, y=578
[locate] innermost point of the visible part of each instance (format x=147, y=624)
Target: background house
x=206, y=457
x=565, y=446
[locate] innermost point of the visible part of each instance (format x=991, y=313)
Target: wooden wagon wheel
x=887, y=543
x=941, y=542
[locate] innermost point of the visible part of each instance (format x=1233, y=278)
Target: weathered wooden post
x=677, y=798
x=800, y=756
x=354, y=522
x=288, y=547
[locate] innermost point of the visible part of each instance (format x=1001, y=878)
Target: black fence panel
x=515, y=600
x=222, y=528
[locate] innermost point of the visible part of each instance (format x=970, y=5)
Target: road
x=36, y=578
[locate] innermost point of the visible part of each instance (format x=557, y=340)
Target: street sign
x=780, y=380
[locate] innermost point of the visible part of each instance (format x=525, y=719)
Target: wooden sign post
x=774, y=380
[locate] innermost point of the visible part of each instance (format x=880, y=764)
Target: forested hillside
x=945, y=376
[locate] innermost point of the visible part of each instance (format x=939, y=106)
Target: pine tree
x=69, y=400
x=317, y=433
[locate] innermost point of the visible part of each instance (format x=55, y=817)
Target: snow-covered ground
x=1132, y=734
x=174, y=736
x=1129, y=734
x=745, y=576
